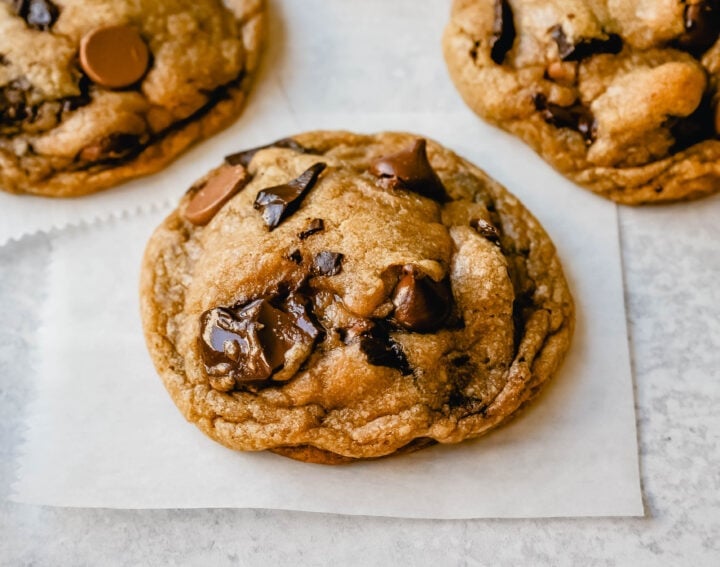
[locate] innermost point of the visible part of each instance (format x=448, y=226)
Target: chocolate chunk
x=245, y=157
x=381, y=350
x=298, y=307
x=503, y=36
x=411, y=170
x=693, y=129
x=421, y=304
x=586, y=47
x=295, y=256
x=327, y=263
x=115, y=146
x=277, y=203
x=114, y=56
x=74, y=102
x=702, y=26
x=316, y=225
x=217, y=191
x=576, y=117
x=249, y=342
x=486, y=230
x=38, y=14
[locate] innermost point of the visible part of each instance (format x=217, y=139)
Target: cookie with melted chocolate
x=92, y=95
x=622, y=97
x=399, y=298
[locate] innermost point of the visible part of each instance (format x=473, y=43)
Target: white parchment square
x=103, y=432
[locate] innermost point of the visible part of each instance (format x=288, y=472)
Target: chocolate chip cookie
x=94, y=93
x=622, y=97
x=333, y=297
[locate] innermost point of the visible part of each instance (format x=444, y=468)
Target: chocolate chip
x=277, y=203
x=381, y=350
x=114, y=56
x=113, y=147
x=245, y=157
x=316, y=225
x=217, y=190
x=327, y=263
x=702, y=26
x=586, y=47
x=410, y=169
x=39, y=14
x=486, y=230
x=503, y=35
x=576, y=117
x=421, y=304
x=248, y=343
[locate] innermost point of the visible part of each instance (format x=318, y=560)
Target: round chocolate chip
x=114, y=56
x=421, y=304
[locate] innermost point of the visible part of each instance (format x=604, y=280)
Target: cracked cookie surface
x=334, y=297
x=95, y=93
x=620, y=96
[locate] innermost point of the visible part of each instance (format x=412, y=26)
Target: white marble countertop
x=671, y=258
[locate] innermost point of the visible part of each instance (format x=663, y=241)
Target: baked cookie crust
x=64, y=135
x=436, y=303
x=621, y=97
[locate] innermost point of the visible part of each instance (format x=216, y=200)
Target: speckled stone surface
x=671, y=257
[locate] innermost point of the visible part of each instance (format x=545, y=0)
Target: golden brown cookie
x=622, y=97
x=350, y=297
x=95, y=93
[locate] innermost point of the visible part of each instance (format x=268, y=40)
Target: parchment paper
x=104, y=433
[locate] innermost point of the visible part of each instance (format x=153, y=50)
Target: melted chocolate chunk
x=381, y=350
x=702, y=26
x=316, y=225
x=693, y=129
x=503, y=36
x=486, y=230
x=411, y=170
x=421, y=304
x=279, y=202
x=245, y=157
x=327, y=263
x=586, y=47
x=39, y=14
x=248, y=343
x=576, y=117
x=299, y=308
x=116, y=146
